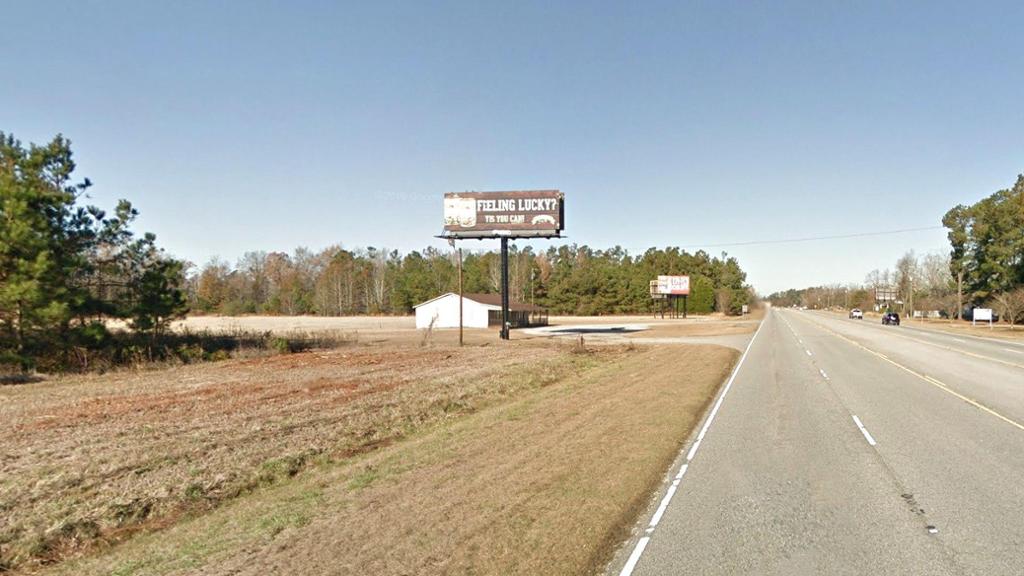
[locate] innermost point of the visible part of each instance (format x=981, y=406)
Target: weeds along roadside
x=378, y=418
x=125, y=349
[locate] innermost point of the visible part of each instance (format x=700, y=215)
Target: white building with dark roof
x=478, y=311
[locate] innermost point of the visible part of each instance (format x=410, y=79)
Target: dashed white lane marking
x=808, y=352
x=635, y=556
x=1012, y=350
x=864, y=430
x=638, y=550
x=856, y=420
x=960, y=340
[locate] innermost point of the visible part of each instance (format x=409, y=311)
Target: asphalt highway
x=846, y=447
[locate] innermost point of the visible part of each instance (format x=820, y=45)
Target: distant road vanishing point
x=846, y=447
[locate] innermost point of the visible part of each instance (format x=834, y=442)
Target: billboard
x=515, y=214
x=674, y=285
x=886, y=294
x=982, y=314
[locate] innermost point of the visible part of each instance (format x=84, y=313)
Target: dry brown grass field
x=396, y=454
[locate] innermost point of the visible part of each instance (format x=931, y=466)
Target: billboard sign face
x=518, y=214
x=655, y=293
x=675, y=285
x=885, y=294
x=983, y=314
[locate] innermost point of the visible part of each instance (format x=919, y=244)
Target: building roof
x=489, y=300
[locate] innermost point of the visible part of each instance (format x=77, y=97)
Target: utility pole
x=910, y=298
x=451, y=242
x=460, y=296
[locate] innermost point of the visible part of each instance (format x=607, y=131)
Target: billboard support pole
x=685, y=296
x=504, y=288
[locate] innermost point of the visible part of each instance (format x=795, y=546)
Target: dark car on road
x=891, y=319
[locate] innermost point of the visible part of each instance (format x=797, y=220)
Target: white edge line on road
x=638, y=550
x=635, y=556
x=823, y=375
x=721, y=398
x=693, y=450
x=664, y=504
x=682, y=471
x=1012, y=350
x=863, y=430
x=961, y=340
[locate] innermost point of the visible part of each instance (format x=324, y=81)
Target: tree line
x=984, y=267
x=67, y=269
x=922, y=282
x=567, y=279
x=70, y=271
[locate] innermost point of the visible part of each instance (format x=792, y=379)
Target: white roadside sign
x=983, y=315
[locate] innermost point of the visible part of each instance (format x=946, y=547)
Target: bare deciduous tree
x=1010, y=305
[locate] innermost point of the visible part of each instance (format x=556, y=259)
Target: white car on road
x=857, y=313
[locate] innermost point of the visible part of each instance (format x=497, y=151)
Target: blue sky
x=237, y=126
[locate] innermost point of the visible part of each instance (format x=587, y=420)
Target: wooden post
x=460, y=296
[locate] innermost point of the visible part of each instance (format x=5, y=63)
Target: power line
x=814, y=238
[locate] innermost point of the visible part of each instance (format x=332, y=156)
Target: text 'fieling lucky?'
x=517, y=205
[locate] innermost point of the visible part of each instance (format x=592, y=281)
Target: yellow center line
x=929, y=379
x=957, y=350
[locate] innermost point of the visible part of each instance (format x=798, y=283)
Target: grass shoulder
x=545, y=477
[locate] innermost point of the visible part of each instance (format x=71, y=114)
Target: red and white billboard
x=675, y=285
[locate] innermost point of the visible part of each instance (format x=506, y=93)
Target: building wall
x=446, y=311
x=519, y=318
